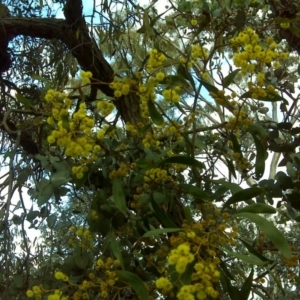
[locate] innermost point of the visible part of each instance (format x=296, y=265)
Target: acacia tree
x=137, y=171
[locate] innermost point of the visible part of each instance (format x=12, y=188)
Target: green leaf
x=259, y=130
x=260, y=156
x=32, y=215
x=118, y=195
x=157, y=232
x=144, y=163
x=285, y=125
x=246, y=288
x=174, y=80
x=233, y=292
x=183, y=72
x=254, y=251
x=18, y=280
x=194, y=191
x=156, y=117
x=233, y=187
x=243, y=195
x=23, y=175
x=81, y=261
x=61, y=177
x=51, y=220
x=199, y=143
x=275, y=236
x=161, y=215
x=240, y=19
x=249, y=259
x=24, y=101
x=183, y=160
x=188, y=215
x=208, y=86
x=110, y=128
x=278, y=282
x=269, y=97
x=231, y=167
x=229, y=78
x=235, y=144
x=258, y=208
x=116, y=251
x=45, y=192
x=39, y=78
x=135, y=282
x=186, y=277
x=17, y=220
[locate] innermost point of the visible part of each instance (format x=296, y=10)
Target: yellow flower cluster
x=122, y=87
x=72, y=132
x=104, y=132
x=94, y=215
x=197, y=243
x=57, y=296
x=171, y=95
x=253, y=55
x=86, y=77
x=285, y=25
x=105, y=108
x=150, y=141
x=61, y=276
x=131, y=128
x=156, y=59
x=258, y=92
x=199, y=52
x=214, y=136
x=103, y=277
x=194, y=22
x=79, y=171
x=238, y=121
x=187, y=292
x=206, y=76
x=147, y=93
x=160, y=76
x=242, y=163
x=35, y=292
x=223, y=99
x=181, y=257
x=82, y=237
x=122, y=171
x=293, y=262
x=164, y=284
x=59, y=104
x=158, y=175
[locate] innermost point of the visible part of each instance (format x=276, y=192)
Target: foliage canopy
x=140, y=149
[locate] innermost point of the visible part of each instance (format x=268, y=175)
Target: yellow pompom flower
x=29, y=293
x=285, y=25
x=163, y=283
x=160, y=76
x=86, y=76
x=51, y=139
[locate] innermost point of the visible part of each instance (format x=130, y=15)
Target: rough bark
x=25, y=141
x=73, y=32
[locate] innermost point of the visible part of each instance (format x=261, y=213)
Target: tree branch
x=83, y=47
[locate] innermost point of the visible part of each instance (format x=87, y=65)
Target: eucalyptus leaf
x=272, y=233
x=135, y=282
